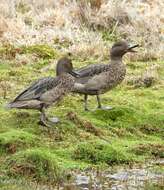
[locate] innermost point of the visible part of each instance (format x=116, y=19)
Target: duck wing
x=38, y=88
x=87, y=72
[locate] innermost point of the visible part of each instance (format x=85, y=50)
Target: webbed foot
x=54, y=120
x=100, y=105
x=105, y=108
x=44, y=123
x=86, y=109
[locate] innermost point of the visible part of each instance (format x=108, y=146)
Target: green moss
x=43, y=164
x=40, y=64
x=43, y=51
x=114, y=114
x=29, y=150
x=39, y=163
x=13, y=140
x=100, y=152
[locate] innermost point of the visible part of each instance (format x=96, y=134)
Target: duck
x=98, y=79
x=47, y=91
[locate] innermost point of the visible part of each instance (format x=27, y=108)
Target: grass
x=131, y=132
x=37, y=163
x=11, y=140
x=102, y=152
x=40, y=50
x=84, y=27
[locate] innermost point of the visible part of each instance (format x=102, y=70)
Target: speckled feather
x=98, y=79
x=45, y=91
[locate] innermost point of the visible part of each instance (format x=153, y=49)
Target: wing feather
x=38, y=88
x=87, y=72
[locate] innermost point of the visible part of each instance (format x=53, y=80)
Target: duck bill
x=131, y=48
x=74, y=73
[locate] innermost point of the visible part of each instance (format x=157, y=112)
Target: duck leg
x=86, y=102
x=99, y=104
x=44, y=119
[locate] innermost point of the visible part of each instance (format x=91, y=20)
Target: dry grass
x=146, y=78
x=81, y=23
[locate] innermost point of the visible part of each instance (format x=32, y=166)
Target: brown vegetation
x=88, y=22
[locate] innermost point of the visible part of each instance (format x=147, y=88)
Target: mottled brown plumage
x=100, y=78
x=47, y=91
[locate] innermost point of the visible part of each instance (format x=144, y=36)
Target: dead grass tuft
x=155, y=150
x=150, y=129
x=32, y=22
x=86, y=125
x=146, y=79
x=5, y=87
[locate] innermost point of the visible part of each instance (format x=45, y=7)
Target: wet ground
x=146, y=177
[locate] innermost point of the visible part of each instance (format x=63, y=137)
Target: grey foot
x=86, y=109
x=105, y=108
x=43, y=123
x=54, y=120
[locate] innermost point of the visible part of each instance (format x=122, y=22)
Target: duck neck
x=61, y=75
x=116, y=59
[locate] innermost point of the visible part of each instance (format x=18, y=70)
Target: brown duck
x=46, y=91
x=99, y=78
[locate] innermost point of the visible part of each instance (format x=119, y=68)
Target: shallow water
x=123, y=178
x=146, y=177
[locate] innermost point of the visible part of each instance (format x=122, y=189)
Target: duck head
x=64, y=65
x=120, y=48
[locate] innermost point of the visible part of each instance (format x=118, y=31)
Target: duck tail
x=14, y=105
x=32, y=104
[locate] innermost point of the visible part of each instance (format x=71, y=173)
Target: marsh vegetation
x=33, y=38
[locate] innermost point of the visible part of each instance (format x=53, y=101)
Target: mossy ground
x=131, y=132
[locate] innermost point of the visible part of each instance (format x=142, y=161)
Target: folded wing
x=38, y=88
x=87, y=72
